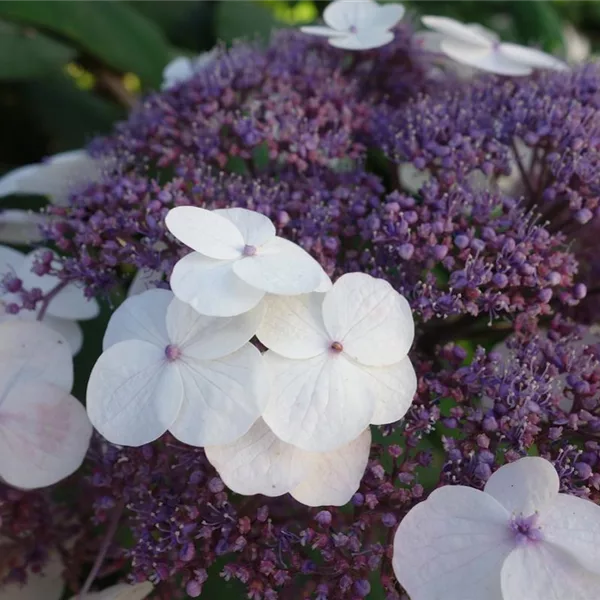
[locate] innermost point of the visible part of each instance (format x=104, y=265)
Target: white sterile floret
x=237, y=260
x=183, y=68
x=55, y=177
x=121, y=591
x=338, y=361
x=260, y=463
x=478, y=47
x=166, y=367
x=518, y=539
x=358, y=24
x=63, y=310
x=44, y=431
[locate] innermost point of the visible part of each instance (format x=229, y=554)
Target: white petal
x=394, y=388
x=140, y=317
x=293, y=326
x=385, y=17
x=30, y=351
x=280, y=267
x=47, y=585
x=342, y=14
x=121, y=591
x=317, y=404
x=525, y=486
x=222, y=398
x=369, y=318
x=256, y=229
x=259, y=463
x=143, y=280
x=322, y=31
x=10, y=260
x=211, y=287
x=457, y=31
x=44, y=435
x=11, y=182
x=490, y=35
x=325, y=284
x=20, y=226
x=482, y=58
x=70, y=330
x=133, y=394
x=333, y=477
x=573, y=524
x=206, y=338
x=452, y=546
x=411, y=178
x=364, y=40
x=69, y=303
x=205, y=231
x=542, y=572
x=531, y=57
x=178, y=70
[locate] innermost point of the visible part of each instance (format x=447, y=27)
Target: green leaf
x=538, y=22
x=111, y=31
x=26, y=53
x=236, y=20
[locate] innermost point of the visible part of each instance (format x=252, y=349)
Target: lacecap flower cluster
x=348, y=291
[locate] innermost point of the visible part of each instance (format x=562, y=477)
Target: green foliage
x=243, y=20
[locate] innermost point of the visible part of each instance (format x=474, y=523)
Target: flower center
x=249, y=250
x=526, y=529
x=336, y=347
x=172, y=352
x=353, y=29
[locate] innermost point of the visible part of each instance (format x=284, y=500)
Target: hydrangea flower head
x=358, y=24
x=518, y=538
x=338, y=361
x=237, y=260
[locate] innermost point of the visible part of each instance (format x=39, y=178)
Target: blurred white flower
x=166, y=367
x=237, y=260
x=476, y=46
x=358, y=24
x=518, y=539
x=64, y=309
x=183, y=68
x=577, y=45
x=44, y=431
x=338, y=361
x=260, y=463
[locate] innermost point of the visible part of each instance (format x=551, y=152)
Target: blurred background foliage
x=69, y=69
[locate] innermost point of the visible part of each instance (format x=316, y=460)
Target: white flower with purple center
x=338, y=362
x=260, y=463
x=44, y=431
x=166, y=367
x=517, y=539
x=358, y=24
x=476, y=46
x=237, y=259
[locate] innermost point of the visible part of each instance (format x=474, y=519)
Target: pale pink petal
x=222, y=398
x=256, y=229
x=293, y=326
x=369, y=318
x=452, y=546
x=70, y=331
x=205, y=338
x=318, y=404
x=543, y=572
x=211, y=287
x=280, y=267
x=44, y=434
x=525, y=486
x=141, y=317
x=205, y=231
x=333, y=477
x=457, y=31
x=133, y=394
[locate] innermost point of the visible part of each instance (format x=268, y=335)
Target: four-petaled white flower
x=44, y=431
x=338, y=361
x=358, y=24
x=237, y=260
x=65, y=308
x=183, y=68
x=166, y=367
x=518, y=539
x=260, y=463
x=478, y=47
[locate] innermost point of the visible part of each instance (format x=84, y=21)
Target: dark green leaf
x=111, y=31
x=236, y=20
x=26, y=53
